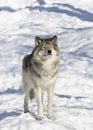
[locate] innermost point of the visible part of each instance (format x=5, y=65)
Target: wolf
x=39, y=72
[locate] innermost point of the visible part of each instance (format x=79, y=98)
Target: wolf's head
x=46, y=48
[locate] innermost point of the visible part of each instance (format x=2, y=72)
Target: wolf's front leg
x=50, y=104
x=26, y=103
x=43, y=101
x=38, y=93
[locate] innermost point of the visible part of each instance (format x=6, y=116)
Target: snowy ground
x=72, y=21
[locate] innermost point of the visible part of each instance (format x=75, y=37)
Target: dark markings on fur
x=28, y=65
x=26, y=62
x=27, y=59
x=56, y=63
x=37, y=64
x=54, y=74
x=56, y=48
x=36, y=73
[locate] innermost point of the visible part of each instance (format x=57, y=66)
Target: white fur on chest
x=45, y=82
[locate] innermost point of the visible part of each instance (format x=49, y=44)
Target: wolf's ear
x=54, y=39
x=37, y=41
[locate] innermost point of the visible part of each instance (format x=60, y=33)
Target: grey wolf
x=39, y=71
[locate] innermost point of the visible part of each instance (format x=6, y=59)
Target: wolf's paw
x=25, y=111
x=52, y=117
x=39, y=118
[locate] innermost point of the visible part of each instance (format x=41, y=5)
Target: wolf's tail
x=31, y=93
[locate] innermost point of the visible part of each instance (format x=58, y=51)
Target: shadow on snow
x=75, y=106
x=75, y=12
x=71, y=11
x=68, y=96
x=12, y=91
x=9, y=114
x=41, y=2
x=6, y=8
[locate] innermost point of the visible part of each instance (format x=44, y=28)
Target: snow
x=72, y=22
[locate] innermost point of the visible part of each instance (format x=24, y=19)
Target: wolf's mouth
x=48, y=53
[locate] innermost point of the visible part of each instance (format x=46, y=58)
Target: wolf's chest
x=47, y=69
x=45, y=82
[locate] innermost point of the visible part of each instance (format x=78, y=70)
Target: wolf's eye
x=43, y=48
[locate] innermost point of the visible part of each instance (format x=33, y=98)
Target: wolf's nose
x=49, y=52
